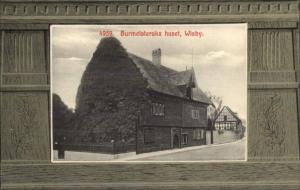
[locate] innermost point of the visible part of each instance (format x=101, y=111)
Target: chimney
x=156, y=56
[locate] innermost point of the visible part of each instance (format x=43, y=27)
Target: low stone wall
x=222, y=137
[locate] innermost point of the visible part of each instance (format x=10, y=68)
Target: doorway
x=175, y=141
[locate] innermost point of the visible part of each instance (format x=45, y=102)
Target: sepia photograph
x=149, y=93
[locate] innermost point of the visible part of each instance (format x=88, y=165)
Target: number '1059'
x=105, y=33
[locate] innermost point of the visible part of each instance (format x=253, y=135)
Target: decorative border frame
x=25, y=96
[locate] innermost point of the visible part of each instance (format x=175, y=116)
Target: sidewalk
x=172, y=151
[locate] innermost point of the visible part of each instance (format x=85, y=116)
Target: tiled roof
x=165, y=80
x=181, y=78
x=198, y=95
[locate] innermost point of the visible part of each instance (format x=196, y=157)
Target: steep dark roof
x=181, y=78
x=165, y=80
x=198, y=95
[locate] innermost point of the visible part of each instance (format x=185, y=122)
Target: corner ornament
x=21, y=136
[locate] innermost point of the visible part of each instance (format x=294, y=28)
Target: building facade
x=177, y=114
x=171, y=122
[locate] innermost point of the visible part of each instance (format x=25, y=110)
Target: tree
x=213, y=111
x=110, y=94
x=62, y=119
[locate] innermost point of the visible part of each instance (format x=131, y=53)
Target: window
x=149, y=135
x=198, y=134
x=158, y=109
x=225, y=117
x=227, y=126
x=184, y=139
x=195, y=114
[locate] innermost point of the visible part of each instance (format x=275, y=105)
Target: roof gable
x=228, y=112
x=181, y=78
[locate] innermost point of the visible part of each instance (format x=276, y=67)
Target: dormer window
x=189, y=92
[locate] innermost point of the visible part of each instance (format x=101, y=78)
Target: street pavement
x=229, y=151
x=213, y=152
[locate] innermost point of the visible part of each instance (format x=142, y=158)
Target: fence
x=110, y=148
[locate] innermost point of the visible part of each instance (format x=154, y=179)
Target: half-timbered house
x=228, y=120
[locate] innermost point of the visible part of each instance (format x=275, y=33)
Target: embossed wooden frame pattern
x=273, y=95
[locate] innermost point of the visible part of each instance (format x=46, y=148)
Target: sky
x=218, y=55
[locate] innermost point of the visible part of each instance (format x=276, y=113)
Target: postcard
x=149, y=93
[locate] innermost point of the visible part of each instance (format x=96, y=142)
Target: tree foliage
x=63, y=118
x=111, y=92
